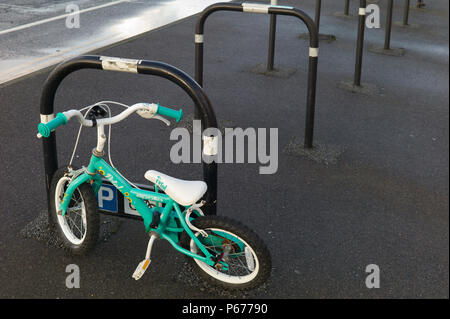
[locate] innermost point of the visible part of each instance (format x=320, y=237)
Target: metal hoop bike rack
x=360, y=42
x=272, y=10
x=160, y=69
x=386, y=49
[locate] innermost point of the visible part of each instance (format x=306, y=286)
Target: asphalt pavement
x=374, y=192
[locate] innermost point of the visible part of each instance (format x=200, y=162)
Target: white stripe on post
x=255, y=7
x=314, y=52
x=199, y=38
x=47, y=118
x=119, y=64
x=210, y=145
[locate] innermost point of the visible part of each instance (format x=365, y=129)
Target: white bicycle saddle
x=183, y=192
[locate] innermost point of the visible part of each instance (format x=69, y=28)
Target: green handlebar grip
x=46, y=128
x=177, y=115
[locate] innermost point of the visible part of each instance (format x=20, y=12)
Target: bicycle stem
x=101, y=139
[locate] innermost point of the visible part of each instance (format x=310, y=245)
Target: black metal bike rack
x=406, y=13
x=317, y=14
x=405, y=20
x=272, y=31
x=347, y=7
x=355, y=85
x=387, y=38
x=386, y=49
x=360, y=42
x=346, y=12
x=201, y=101
x=272, y=10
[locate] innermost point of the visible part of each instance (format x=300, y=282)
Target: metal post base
x=409, y=25
x=397, y=52
x=421, y=9
x=321, y=153
x=364, y=88
x=283, y=72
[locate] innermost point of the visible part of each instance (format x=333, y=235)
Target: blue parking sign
x=107, y=198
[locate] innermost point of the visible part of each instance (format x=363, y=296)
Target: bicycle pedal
x=141, y=268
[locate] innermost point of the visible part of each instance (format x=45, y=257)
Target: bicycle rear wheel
x=242, y=259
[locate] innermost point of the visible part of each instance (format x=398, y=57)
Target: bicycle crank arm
x=143, y=265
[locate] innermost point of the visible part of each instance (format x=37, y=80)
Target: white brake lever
x=166, y=121
x=148, y=112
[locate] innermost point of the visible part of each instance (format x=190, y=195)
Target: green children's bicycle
x=223, y=251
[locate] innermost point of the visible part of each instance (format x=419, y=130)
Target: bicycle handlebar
x=62, y=118
x=46, y=128
x=176, y=115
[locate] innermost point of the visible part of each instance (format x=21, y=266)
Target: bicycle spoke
x=81, y=233
x=244, y=266
x=212, y=248
x=74, y=225
x=76, y=210
x=83, y=222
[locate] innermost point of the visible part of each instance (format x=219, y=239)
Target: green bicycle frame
x=168, y=227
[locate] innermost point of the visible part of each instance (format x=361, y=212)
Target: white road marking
x=14, y=6
x=124, y=28
x=32, y=24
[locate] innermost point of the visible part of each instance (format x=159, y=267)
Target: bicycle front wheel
x=242, y=259
x=79, y=227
